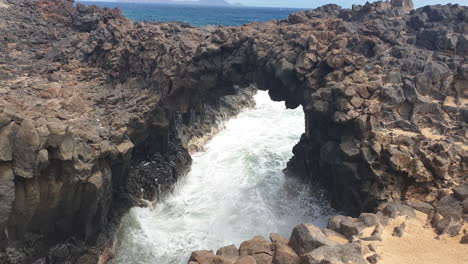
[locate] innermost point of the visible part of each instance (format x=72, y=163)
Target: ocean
x=198, y=15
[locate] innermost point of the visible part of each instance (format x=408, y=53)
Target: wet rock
x=202, y=257
x=305, y=238
x=256, y=245
x=229, y=252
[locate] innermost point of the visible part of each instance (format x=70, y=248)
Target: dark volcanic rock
x=86, y=96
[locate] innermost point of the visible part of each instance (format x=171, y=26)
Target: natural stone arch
x=382, y=93
x=364, y=87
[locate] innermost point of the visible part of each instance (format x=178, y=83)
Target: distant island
x=199, y=2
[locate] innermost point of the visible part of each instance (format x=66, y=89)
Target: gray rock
x=461, y=192
x=349, y=253
x=7, y=135
x=230, y=252
x=246, y=260
x=399, y=230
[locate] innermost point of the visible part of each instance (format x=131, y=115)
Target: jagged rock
x=349, y=253
x=381, y=92
x=305, y=238
x=465, y=206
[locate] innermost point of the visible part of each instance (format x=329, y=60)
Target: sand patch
x=452, y=101
x=428, y=133
x=3, y=4
x=419, y=245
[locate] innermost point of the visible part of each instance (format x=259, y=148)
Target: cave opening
x=236, y=189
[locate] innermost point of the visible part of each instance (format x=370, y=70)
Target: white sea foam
x=236, y=190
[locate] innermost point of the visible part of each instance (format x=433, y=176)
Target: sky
x=316, y=3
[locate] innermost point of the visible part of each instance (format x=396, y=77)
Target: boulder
x=374, y=259
x=305, y=238
x=246, y=260
x=464, y=239
x=420, y=206
x=461, y=192
x=278, y=239
x=342, y=254
x=256, y=245
x=229, y=252
x=202, y=256
x=398, y=231
x=394, y=209
x=285, y=255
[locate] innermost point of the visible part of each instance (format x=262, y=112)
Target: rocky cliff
x=87, y=96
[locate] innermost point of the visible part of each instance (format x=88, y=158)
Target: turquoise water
x=198, y=15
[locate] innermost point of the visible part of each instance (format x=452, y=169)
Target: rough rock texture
x=310, y=244
x=91, y=102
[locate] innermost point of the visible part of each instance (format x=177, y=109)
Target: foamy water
x=235, y=190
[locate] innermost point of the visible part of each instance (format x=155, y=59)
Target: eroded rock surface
x=88, y=96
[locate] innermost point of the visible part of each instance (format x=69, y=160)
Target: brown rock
x=256, y=245
x=246, y=260
x=202, y=257
x=229, y=252
x=285, y=255
x=279, y=239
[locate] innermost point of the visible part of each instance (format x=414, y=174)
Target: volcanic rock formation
x=88, y=97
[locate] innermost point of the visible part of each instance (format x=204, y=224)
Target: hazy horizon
x=311, y=3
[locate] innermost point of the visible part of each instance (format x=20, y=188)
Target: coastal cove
x=197, y=15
